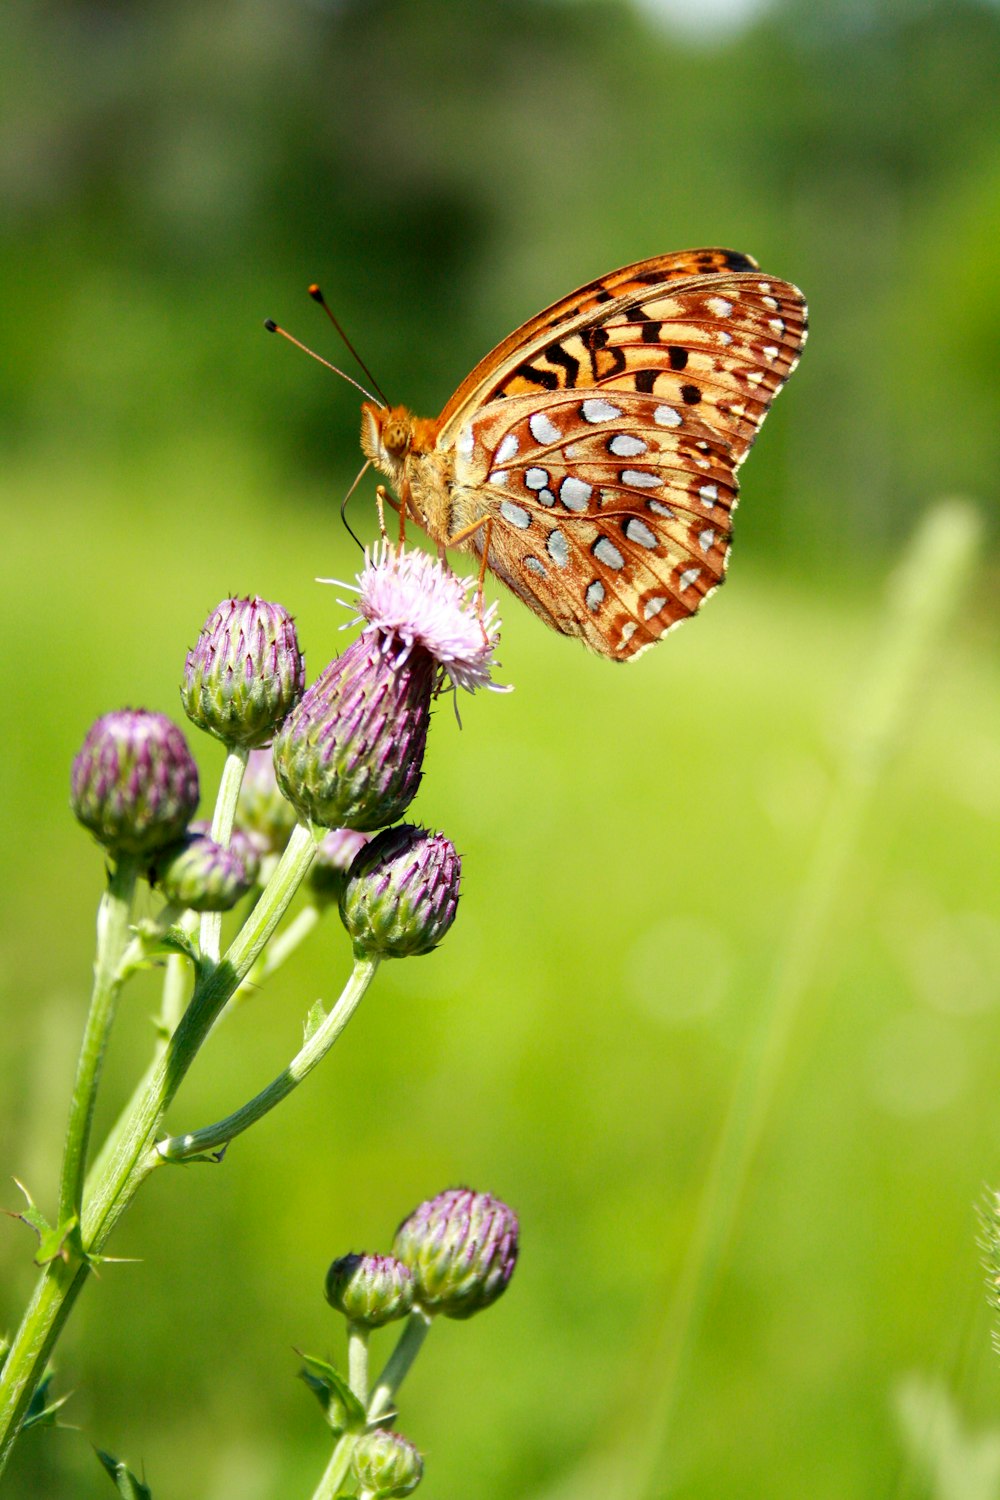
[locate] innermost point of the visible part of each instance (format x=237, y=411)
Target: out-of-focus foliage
x=173, y=172
x=632, y=841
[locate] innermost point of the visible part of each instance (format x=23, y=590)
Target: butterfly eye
x=395, y=436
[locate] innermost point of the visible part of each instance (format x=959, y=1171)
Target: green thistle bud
x=350, y=754
x=263, y=811
x=462, y=1249
x=386, y=1463
x=328, y=871
x=245, y=673
x=202, y=876
x=370, y=1289
x=401, y=893
x=134, y=782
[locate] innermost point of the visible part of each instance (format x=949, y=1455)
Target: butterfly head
x=386, y=434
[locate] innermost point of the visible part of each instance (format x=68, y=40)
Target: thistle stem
x=357, y=1360
x=124, y=1169
x=280, y=951
x=397, y=1366
x=211, y=1137
x=222, y=829
x=332, y=1483
x=113, y=917
x=396, y=1369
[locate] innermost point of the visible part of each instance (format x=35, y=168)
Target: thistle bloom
x=462, y=1249
x=134, y=782
x=370, y=1289
x=245, y=673
x=401, y=893
x=350, y=755
x=417, y=604
x=386, y=1464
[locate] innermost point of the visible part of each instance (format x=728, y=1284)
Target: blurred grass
x=634, y=840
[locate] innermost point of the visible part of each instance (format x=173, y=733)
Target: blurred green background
x=634, y=840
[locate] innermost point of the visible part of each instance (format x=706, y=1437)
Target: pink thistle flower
x=414, y=601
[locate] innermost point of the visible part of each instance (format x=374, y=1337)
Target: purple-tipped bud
x=263, y=812
x=462, y=1249
x=134, y=782
x=328, y=871
x=240, y=843
x=245, y=673
x=401, y=893
x=370, y=1289
x=386, y=1464
x=349, y=756
x=202, y=876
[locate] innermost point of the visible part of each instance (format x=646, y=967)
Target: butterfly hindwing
x=611, y=513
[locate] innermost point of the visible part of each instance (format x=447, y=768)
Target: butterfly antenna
x=317, y=296
x=273, y=327
x=343, y=505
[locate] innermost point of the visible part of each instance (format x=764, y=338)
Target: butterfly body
x=592, y=455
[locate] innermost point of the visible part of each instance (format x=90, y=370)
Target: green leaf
x=314, y=1020
x=41, y=1411
x=150, y=943
x=344, y=1412
x=125, y=1481
x=51, y=1238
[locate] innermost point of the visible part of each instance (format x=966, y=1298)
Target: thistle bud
x=240, y=843
x=401, y=893
x=245, y=673
x=462, y=1249
x=134, y=782
x=263, y=812
x=370, y=1289
x=350, y=754
x=200, y=875
x=386, y=1463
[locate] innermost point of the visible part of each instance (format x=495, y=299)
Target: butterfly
x=589, y=461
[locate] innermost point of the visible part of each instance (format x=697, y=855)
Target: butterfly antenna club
x=273, y=327
x=316, y=294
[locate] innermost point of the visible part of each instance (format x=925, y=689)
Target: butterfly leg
x=382, y=499
x=461, y=536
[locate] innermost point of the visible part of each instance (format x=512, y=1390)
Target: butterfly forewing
x=616, y=286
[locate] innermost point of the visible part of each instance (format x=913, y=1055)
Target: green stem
x=337, y=1470
x=396, y=1369
x=278, y=953
x=113, y=918
x=397, y=1366
x=211, y=1137
x=357, y=1360
x=222, y=829
x=122, y=1172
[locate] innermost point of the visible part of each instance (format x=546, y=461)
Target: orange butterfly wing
x=601, y=441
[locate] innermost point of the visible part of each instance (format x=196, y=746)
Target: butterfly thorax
x=403, y=448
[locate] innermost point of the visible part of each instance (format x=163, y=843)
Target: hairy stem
x=113, y=917
x=222, y=828
x=124, y=1169
x=211, y=1137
